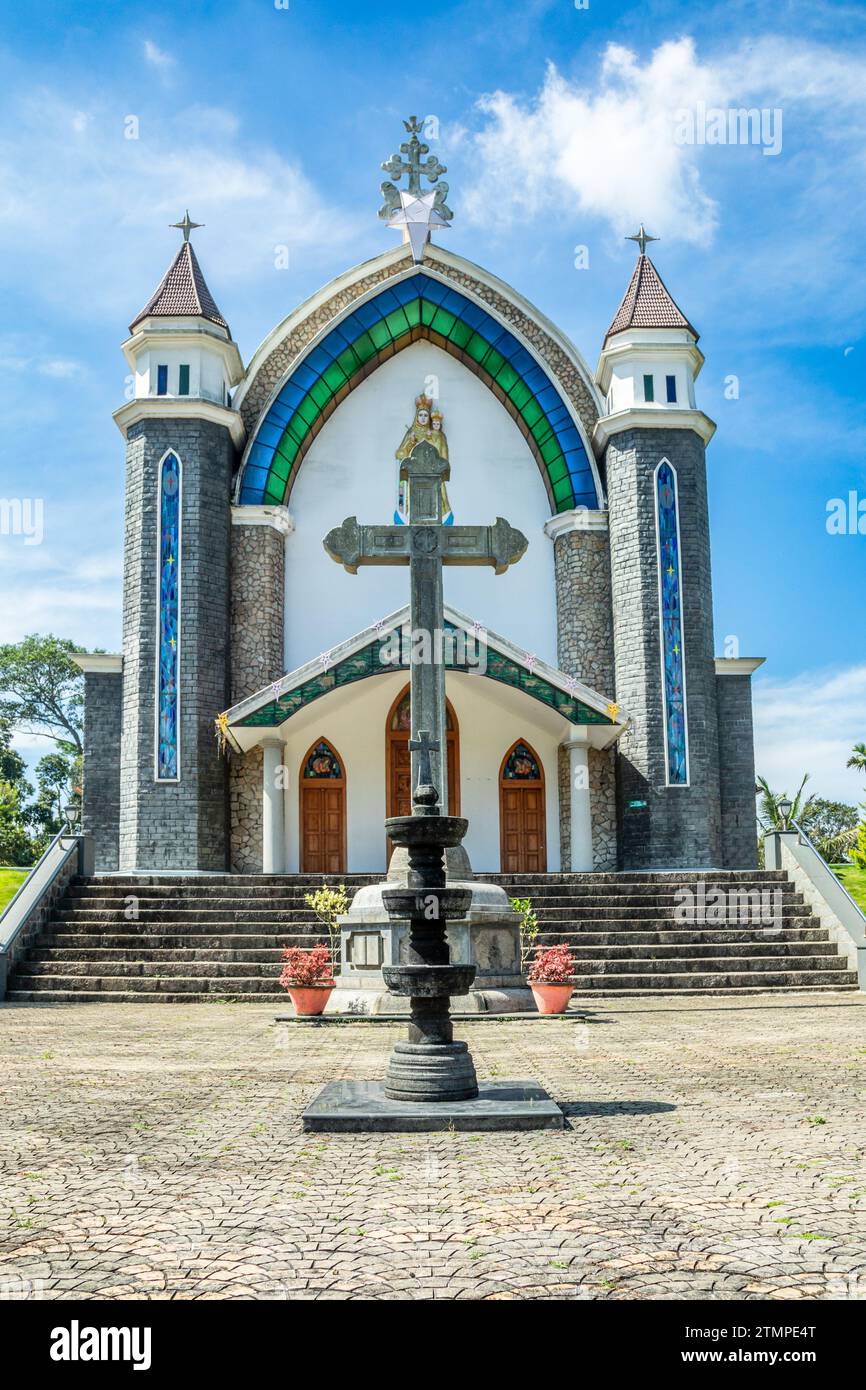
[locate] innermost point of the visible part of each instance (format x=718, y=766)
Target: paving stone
x=159, y=1154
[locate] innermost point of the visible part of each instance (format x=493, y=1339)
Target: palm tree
x=770, y=817
x=858, y=757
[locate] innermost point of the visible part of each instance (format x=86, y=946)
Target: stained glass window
x=418, y=307
x=670, y=592
x=521, y=765
x=671, y=388
x=401, y=719
x=322, y=762
x=161, y=380
x=167, y=756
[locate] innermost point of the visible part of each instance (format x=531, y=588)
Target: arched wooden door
x=522, y=819
x=399, y=773
x=323, y=811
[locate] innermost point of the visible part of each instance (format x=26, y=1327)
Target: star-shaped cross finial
x=186, y=226
x=642, y=236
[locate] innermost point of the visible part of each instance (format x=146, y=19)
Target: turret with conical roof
x=650, y=358
x=181, y=350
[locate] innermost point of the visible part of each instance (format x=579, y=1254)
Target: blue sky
x=556, y=126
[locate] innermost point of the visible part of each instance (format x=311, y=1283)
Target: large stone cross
x=425, y=545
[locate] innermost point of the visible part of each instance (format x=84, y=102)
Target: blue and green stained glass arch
x=401, y=313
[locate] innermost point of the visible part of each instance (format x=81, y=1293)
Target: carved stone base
x=431, y=1072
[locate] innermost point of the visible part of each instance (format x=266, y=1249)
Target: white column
x=273, y=808
x=581, y=816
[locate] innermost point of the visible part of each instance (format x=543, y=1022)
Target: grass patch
x=10, y=882
x=850, y=877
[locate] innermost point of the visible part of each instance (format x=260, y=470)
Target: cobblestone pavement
x=716, y=1148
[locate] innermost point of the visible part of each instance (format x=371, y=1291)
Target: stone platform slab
x=361, y=1107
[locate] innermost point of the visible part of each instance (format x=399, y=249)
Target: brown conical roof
x=182, y=290
x=647, y=303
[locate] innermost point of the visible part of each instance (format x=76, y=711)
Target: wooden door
x=399, y=772
x=323, y=811
x=522, y=815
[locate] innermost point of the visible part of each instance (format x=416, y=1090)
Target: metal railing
x=34, y=889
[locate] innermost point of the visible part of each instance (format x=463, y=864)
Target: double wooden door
x=522, y=815
x=399, y=771
x=323, y=811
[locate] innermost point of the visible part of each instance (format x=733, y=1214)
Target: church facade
x=257, y=718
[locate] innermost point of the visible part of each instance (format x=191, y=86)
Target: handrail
x=804, y=836
x=42, y=866
x=33, y=869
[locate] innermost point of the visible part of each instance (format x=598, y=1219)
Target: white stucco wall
x=490, y=716
x=351, y=469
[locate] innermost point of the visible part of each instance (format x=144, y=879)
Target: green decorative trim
x=369, y=661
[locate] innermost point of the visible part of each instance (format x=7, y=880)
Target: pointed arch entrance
x=398, y=758
x=322, y=810
x=522, y=812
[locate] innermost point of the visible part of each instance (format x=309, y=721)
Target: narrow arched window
x=673, y=666
x=168, y=621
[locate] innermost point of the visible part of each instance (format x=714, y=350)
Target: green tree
x=58, y=779
x=770, y=817
x=858, y=757
x=832, y=828
x=16, y=846
x=42, y=690
x=12, y=765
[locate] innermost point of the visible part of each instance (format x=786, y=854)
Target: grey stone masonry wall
x=103, y=719
x=737, y=772
x=583, y=617
x=257, y=608
x=183, y=824
x=680, y=826
x=602, y=803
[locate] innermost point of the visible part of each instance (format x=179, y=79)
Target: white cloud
x=113, y=196
x=607, y=147
x=157, y=57
x=809, y=723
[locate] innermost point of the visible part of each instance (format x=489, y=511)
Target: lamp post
x=785, y=808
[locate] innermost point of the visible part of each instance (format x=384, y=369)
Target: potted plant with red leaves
x=551, y=978
x=309, y=978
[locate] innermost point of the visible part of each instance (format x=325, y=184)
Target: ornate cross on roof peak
x=642, y=237
x=413, y=165
x=185, y=225
x=410, y=209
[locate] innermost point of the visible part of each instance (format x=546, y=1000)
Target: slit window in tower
x=162, y=380
x=183, y=380
x=673, y=669
x=671, y=384
x=648, y=390
x=168, y=626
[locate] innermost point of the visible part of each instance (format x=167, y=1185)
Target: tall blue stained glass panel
x=167, y=710
x=670, y=598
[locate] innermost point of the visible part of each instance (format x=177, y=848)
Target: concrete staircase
x=186, y=939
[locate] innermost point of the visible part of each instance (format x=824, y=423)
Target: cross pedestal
x=429, y=1068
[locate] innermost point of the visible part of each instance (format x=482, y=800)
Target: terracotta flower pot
x=551, y=999
x=309, y=999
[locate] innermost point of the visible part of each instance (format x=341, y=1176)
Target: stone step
x=109, y=985
x=85, y=996
x=713, y=980
x=40, y=959
x=574, y=912
x=232, y=939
